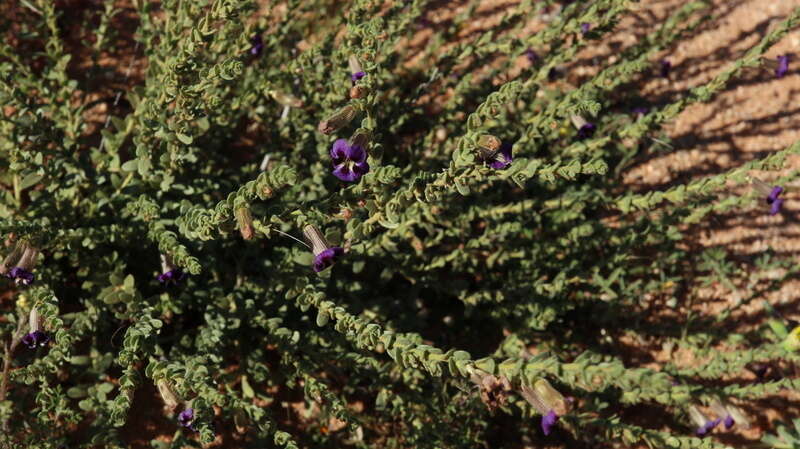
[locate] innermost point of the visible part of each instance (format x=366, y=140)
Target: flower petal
x=783, y=66
x=356, y=153
x=339, y=151
x=548, y=421
x=502, y=159
x=776, y=206
x=345, y=173
x=361, y=168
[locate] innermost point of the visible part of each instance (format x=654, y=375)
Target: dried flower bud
x=488, y=146
x=12, y=257
x=316, y=239
x=703, y=423
x=28, y=259
x=338, y=120
x=493, y=390
x=245, y=222
x=286, y=99
x=358, y=91
x=167, y=395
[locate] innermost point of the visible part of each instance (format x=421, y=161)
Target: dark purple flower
x=172, y=277
x=729, y=422
x=666, y=66
x=707, y=427
x=186, y=418
x=531, y=55
x=585, y=27
x=502, y=159
x=357, y=76
x=258, y=45
x=640, y=110
x=327, y=258
x=783, y=66
x=586, y=130
x=350, y=161
x=20, y=276
x=35, y=338
x=773, y=200
x=548, y=421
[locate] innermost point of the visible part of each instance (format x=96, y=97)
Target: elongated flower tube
x=286, y=99
x=731, y=415
x=547, y=401
x=244, y=220
x=36, y=337
x=13, y=257
x=356, y=71
x=170, y=274
x=337, y=120
x=349, y=160
x=703, y=423
x=167, y=395
x=585, y=128
x=325, y=255
x=771, y=195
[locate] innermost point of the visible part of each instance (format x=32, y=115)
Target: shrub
x=214, y=210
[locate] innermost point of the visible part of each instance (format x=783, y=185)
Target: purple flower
x=773, y=200
x=586, y=130
x=20, y=276
x=35, y=338
x=666, y=66
x=553, y=74
x=357, y=76
x=548, y=421
x=640, y=110
x=258, y=45
x=707, y=427
x=172, y=277
x=783, y=66
x=502, y=159
x=729, y=422
x=350, y=161
x=585, y=28
x=326, y=258
x=186, y=418
x=531, y=55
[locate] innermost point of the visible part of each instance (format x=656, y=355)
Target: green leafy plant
x=259, y=224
